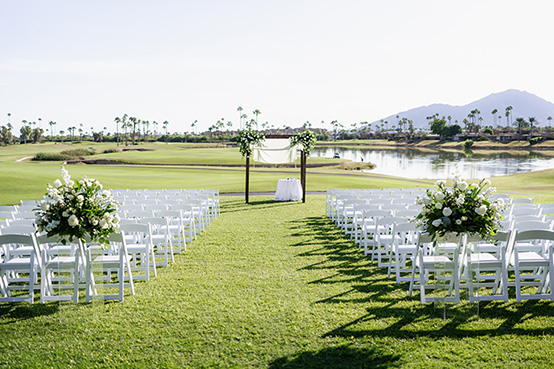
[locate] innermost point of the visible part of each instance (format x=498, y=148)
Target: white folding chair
x=138, y=239
x=533, y=267
x=103, y=265
x=161, y=240
x=437, y=271
x=486, y=267
x=18, y=273
x=60, y=270
x=403, y=248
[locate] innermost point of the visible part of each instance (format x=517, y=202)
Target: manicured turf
x=275, y=285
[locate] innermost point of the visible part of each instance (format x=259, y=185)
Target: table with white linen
x=288, y=190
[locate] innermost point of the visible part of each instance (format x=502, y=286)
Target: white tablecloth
x=288, y=190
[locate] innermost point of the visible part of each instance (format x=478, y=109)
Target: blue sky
x=86, y=62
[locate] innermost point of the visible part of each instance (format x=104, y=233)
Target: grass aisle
x=274, y=285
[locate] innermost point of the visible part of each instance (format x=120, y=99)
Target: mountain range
x=524, y=105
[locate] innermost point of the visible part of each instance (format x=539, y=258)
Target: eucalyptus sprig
x=306, y=139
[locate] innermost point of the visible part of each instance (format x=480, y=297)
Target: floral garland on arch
x=306, y=138
x=248, y=138
x=463, y=208
x=77, y=210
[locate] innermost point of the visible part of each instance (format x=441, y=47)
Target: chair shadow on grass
x=22, y=311
x=386, y=302
x=338, y=357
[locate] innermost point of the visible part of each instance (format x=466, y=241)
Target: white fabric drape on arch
x=275, y=151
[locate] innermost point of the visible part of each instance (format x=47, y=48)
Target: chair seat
x=483, y=258
x=15, y=263
x=60, y=260
x=531, y=258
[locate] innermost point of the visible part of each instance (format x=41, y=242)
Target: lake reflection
x=411, y=163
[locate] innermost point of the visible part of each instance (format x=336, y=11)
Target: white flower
x=464, y=218
x=418, y=200
x=104, y=224
x=438, y=205
x=65, y=214
x=80, y=198
x=439, y=196
x=57, y=183
x=436, y=222
x=463, y=185
x=458, y=221
x=440, y=183
x=447, y=212
x=65, y=175
x=44, y=206
x=94, y=222
x=485, y=182
x=481, y=210
x=460, y=200
x=73, y=221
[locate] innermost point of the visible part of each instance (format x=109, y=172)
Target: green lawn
x=275, y=285
x=268, y=285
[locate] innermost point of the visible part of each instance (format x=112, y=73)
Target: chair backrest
x=19, y=229
x=17, y=240
x=529, y=225
x=523, y=200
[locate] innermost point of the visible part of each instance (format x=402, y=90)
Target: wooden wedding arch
x=303, y=159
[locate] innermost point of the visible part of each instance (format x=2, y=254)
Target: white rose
x=57, y=183
x=481, y=210
x=73, y=221
x=438, y=205
x=447, y=212
x=439, y=196
x=65, y=214
x=436, y=222
x=458, y=221
x=104, y=224
x=44, y=206
x=80, y=198
x=464, y=218
x=463, y=185
x=116, y=218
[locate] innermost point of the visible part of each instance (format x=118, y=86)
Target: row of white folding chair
x=465, y=269
x=161, y=235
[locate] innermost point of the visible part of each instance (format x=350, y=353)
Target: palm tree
x=549, y=119
x=494, y=116
x=508, y=114
x=239, y=109
x=117, y=120
x=531, y=121
x=134, y=122
x=520, y=123
x=39, y=122
x=165, y=124
x=61, y=135
x=193, y=125
x=51, y=123
x=256, y=113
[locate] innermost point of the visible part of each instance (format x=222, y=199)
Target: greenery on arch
x=306, y=139
x=247, y=138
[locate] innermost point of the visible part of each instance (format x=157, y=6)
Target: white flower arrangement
x=463, y=208
x=77, y=210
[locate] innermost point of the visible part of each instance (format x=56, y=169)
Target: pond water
x=410, y=163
